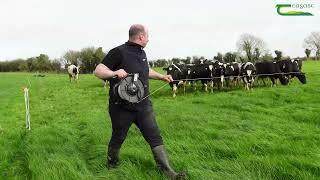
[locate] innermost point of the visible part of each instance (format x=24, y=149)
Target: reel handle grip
x=110, y=78
x=115, y=77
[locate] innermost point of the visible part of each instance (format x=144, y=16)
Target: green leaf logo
x=291, y=13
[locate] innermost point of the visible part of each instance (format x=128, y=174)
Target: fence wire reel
x=130, y=88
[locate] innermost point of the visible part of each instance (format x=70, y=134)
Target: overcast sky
x=177, y=28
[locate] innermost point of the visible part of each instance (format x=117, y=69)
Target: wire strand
x=165, y=84
x=289, y=73
x=254, y=75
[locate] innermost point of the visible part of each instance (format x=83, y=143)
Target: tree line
x=249, y=48
x=87, y=58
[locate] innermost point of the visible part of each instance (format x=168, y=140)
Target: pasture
x=267, y=133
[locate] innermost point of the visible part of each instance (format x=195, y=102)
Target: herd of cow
x=230, y=74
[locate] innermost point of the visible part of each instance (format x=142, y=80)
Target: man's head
x=139, y=34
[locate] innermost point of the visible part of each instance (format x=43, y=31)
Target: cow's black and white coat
x=73, y=72
x=248, y=72
x=180, y=73
x=232, y=73
x=218, y=73
x=272, y=70
x=298, y=61
x=292, y=69
x=204, y=73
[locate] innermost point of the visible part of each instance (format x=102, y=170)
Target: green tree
x=56, y=65
x=312, y=42
x=278, y=55
x=71, y=57
x=188, y=60
x=88, y=60
x=229, y=57
x=219, y=57
x=256, y=54
x=160, y=63
x=42, y=63
x=99, y=55
x=248, y=44
x=176, y=60
x=23, y=65
x=308, y=52
x=267, y=57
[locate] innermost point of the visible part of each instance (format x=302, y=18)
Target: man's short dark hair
x=136, y=29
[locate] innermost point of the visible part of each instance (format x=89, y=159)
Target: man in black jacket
x=127, y=59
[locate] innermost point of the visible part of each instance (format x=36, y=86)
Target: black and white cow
x=179, y=75
x=218, y=73
x=232, y=73
x=73, y=72
x=299, y=62
x=202, y=72
x=272, y=70
x=248, y=72
x=291, y=69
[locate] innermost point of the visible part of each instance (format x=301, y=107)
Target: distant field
x=267, y=133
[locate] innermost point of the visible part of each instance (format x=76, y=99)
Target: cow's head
x=249, y=72
x=173, y=70
x=229, y=69
x=302, y=78
x=219, y=68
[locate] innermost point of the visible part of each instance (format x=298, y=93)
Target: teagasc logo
x=292, y=9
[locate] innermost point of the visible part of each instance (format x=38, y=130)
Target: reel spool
x=130, y=89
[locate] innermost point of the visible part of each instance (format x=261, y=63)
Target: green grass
x=267, y=133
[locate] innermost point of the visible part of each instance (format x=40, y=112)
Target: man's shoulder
x=116, y=50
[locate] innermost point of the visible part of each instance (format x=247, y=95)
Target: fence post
x=26, y=100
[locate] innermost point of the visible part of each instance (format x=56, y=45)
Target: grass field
x=267, y=133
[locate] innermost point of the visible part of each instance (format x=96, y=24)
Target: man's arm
x=155, y=75
x=103, y=72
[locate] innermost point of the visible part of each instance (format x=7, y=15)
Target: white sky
x=177, y=28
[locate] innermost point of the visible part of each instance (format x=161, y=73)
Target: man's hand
x=120, y=74
x=167, y=78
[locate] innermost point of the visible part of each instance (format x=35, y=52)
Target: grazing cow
x=272, y=70
x=232, y=73
x=179, y=75
x=73, y=72
x=291, y=69
x=248, y=72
